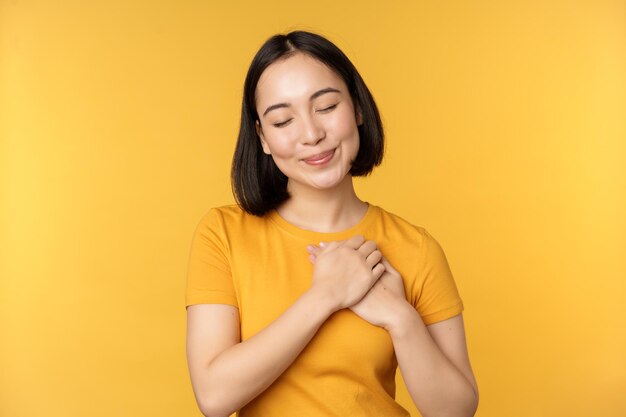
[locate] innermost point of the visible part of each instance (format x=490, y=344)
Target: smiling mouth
x=319, y=157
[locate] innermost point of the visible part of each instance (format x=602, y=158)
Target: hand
x=380, y=304
x=345, y=270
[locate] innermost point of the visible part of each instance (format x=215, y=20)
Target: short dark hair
x=257, y=183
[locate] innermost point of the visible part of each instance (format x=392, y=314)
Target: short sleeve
x=438, y=297
x=209, y=278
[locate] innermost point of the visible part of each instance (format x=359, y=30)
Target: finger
x=313, y=249
x=387, y=265
x=355, y=241
x=378, y=270
x=312, y=258
x=373, y=258
x=333, y=244
x=368, y=247
x=325, y=246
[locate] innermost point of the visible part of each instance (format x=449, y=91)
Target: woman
x=302, y=299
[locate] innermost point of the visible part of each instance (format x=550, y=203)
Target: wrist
x=404, y=319
x=322, y=300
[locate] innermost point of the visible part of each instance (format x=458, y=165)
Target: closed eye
x=329, y=108
x=281, y=124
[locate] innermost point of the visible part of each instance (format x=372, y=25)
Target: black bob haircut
x=257, y=183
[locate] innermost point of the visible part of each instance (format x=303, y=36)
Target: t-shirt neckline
x=314, y=237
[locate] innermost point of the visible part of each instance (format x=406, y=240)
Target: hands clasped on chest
x=354, y=274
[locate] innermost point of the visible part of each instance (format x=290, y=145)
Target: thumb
x=324, y=246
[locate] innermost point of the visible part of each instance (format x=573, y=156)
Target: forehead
x=293, y=78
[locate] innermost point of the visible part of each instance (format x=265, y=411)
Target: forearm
x=245, y=370
x=436, y=386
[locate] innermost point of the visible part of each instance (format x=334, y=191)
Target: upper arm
x=211, y=329
x=435, y=293
x=449, y=335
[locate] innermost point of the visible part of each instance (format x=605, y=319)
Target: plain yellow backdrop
x=506, y=139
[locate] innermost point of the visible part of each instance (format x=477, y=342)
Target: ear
x=359, y=116
x=259, y=132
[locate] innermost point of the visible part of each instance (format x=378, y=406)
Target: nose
x=313, y=131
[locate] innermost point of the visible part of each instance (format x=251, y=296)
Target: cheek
x=281, y=147
x=347, y=130
x=344, y=124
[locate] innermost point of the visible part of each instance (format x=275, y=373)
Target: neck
x=327, y=210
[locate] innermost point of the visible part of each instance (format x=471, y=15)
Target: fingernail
x=323, y=244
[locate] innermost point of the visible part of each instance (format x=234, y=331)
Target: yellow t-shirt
x=261, y=266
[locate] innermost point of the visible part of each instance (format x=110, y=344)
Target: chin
x=326, y=186
x=328, y=182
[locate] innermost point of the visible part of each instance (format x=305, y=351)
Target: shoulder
x=412, y=240
x=226, y=212
x=229, y=217
x=398, y=228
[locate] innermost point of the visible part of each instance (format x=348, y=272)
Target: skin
x=227, y=373
x=322, y=197
x=441, y=382
x=378, y=305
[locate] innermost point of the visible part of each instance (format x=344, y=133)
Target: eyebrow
x=313, y=96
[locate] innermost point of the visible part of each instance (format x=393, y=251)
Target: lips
x=319, y=156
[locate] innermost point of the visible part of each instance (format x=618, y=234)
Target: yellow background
x=506, y=140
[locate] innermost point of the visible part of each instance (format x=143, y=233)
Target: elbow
x=472, y=406
x=463, y=407
x=471, y=412
x=211, y=412
x=213, y=407
x=469, y=402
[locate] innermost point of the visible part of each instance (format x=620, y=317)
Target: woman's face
x=305, y=110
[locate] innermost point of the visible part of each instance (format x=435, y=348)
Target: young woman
x=302, y=299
